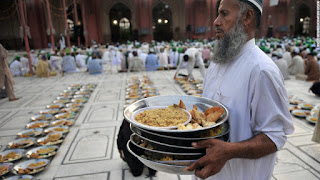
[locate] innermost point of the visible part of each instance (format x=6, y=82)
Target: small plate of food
x=52, y=138
x=11, y=155
x=42, y=152
x=77, y=100
x=301, y=113
x=61, y=101
x=37, y=124
x=295, y=101
x=293, y=107
x=305, y=106
x=49, y=111
x=69, y=115
x=70, y=109
x=81, y=96
x=42, y=117
x=5, y=168
x=74, y=105
x=31, y=166
x=55, y=106
x=63, y=122
x=64, y=97
x=20, y=177
x=312, y=119
x=63, y=129
x=22, y=143
x=30, y=132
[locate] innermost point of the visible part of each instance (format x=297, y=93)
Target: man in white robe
x=193, y=56
x=16, y=67
x=55, y=62
x=25, y=64
x=249, y=84
x=297, y=66
x=81, y=60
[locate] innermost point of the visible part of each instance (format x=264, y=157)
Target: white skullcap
x=258, y=4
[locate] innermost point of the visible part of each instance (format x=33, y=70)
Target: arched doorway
x=120, y=25
x=162, y=22
x=302, y=12
x=76, y=30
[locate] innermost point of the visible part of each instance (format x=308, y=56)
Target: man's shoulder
x=260, y=61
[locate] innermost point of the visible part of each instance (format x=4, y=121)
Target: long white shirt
x=195, y=58
x=16, y=68
x=283, y=67
x=81, y=60
x=55, y=62
x=163, y=59
x=252, y=89
x=297, y=66
x=288, y=58
x=106, y=57
x=25, y=64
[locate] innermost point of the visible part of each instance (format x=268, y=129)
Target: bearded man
x=249, y=84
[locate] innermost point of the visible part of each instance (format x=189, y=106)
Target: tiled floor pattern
x=90, y=152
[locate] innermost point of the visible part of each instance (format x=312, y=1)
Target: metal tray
x=172, y=169
x=201, y=102
x=164, y=147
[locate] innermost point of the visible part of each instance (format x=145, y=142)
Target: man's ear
x=248, y=17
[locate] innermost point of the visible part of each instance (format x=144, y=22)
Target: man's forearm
x=256, y=147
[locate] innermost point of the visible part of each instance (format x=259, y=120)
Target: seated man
x=95, y=65
x=312, y=67
x=69, y=64
x=42, y=69
x=135, y=63
x=55, y=61
x=282, y=64
x=297, y=66
x=152, y=61
x=81, y=60
x=16, y=67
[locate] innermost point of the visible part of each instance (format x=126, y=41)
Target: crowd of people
x=293, y=56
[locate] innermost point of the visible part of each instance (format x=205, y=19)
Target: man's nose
x=217, y=22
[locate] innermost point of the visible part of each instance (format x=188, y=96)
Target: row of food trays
x=193, y=88
x=300, y=109
x=138, y=88
x=47, y=131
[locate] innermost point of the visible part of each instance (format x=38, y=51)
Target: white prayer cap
x=32, y=51
x=152, y=50
x=257, y=4
x=296, y=50
x=42, y=52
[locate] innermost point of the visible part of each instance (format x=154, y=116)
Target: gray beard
x=226, y=48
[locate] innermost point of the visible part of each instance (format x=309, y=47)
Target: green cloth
x=178, y=62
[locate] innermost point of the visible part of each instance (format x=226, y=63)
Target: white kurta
x=252, y=89
x=16, y=68
x=287, y=56
x=297, y=66
x=195, y=58
x=81, y=60
x=25, y=64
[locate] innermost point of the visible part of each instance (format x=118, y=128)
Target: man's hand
x=175, y=77
x=217, y=154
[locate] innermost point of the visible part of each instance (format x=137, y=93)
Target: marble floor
x=90, y=151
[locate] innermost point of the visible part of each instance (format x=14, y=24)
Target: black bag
x=136, y=167
x=315, y=88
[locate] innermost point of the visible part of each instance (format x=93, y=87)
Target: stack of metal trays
x=170, y=150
